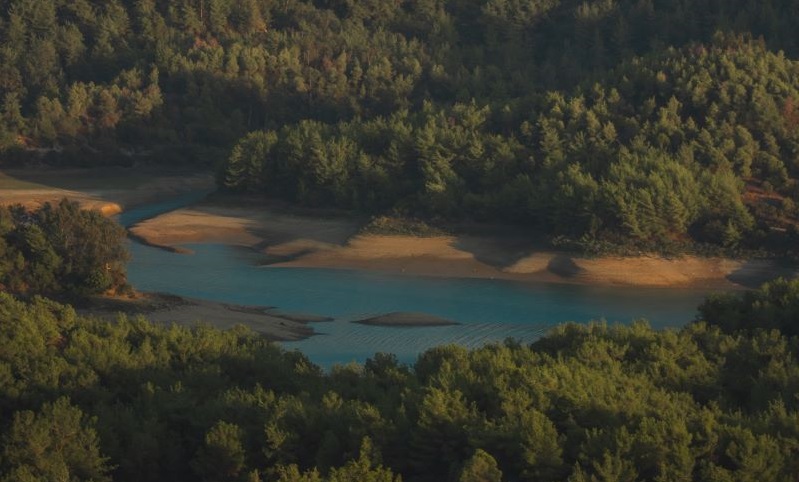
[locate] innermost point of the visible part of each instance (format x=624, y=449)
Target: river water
x=488, y=310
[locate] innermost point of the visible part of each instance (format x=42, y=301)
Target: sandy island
x=162, y=308
x=406, y=320
x=289, y=239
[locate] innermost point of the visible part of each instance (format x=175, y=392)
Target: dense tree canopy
x=637, y=122
x=60, y=250
x=651, y=123
x=695, y=144
x=774, y=306
x=82, y=400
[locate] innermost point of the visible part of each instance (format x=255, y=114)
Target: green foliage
x=60, y=249
x=244, y=170
x=362, y=469
x=55, y=444
x=664, y=151
x=480, y=468
x=596, y=120
x=584, y=403
x=775, y=306
x=395, y=225
x=222, y=456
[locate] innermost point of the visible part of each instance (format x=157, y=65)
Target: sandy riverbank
x=161, y=308
x=277, y=233
x=314, y=241
x=108, y=190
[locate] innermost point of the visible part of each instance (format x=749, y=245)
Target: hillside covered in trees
x=716, y=401
x=656, y=124
x=692, y=143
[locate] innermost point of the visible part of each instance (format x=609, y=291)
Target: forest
x=648, y=124
x=85, y=399
x=716, y=401
x=666, y=125
x=60, y=250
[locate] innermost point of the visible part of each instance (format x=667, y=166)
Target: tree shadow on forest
x=755, y=272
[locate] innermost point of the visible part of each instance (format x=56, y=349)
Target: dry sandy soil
x=281, y=235
x=109, y=190
x=291, y=240
x=405, y=319
x=166, y=309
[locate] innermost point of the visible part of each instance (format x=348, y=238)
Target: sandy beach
x=315, y=241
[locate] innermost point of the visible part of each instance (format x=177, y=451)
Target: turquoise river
x=488, y=310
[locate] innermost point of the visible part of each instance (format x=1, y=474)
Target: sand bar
x=406, y=320
x=313, y=241
x=162, y=308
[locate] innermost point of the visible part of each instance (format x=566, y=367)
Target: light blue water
x=488, y=310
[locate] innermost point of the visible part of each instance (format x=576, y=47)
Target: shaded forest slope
x=716, y=401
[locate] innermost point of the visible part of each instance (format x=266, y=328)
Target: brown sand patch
x=654, y=271
x=299, y=317
x=291, y=240
x=651, y=270
x=161, y=308
x=403, y=319
x=278, y=234
x=110, y=209
x=190, y=225
x=440, y=257
x=108, y=190
x=434, y=256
